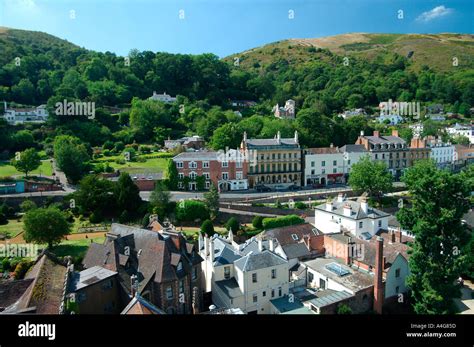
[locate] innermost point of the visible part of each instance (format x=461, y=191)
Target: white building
x=356, y=217
x=25, y=115
x=331, y=165
x=246, y=277
x=393, y=118
x=462, y=130
x=442, y=153
x=286, y=112
x=162, y=97
x=352, y=113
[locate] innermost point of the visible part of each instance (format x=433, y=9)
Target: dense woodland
x=50, y=70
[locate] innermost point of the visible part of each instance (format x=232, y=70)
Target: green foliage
x=95, y=196
x=344, y=309
x=172, y=175
x=71, y=156
x=439, y=199
x=27, y=205
x=21, y=269
x=233, y=224
x=200, y=182
x=257, y=222
x=279, y=222
x=207, y=228
x=45, y=225
x=29, y=160
x=160, y=200
x=212, y=201
x=300, y=205
x=127, y=195
x=191, y=210
x=371, y=177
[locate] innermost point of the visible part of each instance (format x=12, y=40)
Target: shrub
x=191, y=210
x=21, y=269
x=207, y=228
x=27, y=205
x=3, y=219
x=343, y=309
x=124, y=217
x=233, y=224
x=257, y=222
x=96, y=217
x=5, y=264
x=279, y=222
x=300, y=205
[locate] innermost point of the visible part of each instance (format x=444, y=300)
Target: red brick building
x=227, y=171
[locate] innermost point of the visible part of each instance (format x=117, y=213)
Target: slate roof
x=271, y=142
x=284, y=234
x=286, y=306
x=198, y=155
x=323, y=150
x=159, y=256
x=230, y=288
x=138, y=305
x=224, y=253
x=357, y=212
x=296, y=250
x=382, y=139
x=353, y=148
x=11, y=291
x=256, y=261
x=328, y=297
x=88, y=277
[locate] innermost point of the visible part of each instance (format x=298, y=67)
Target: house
x=276, y=162
x=286, y=112
x=243, y=103
x=139, y=305
x=419, y=150
x=352, y=113
x=463, y=155
x=441, y=152
x=357, y=217
x=190, y=143
x=16, y=116
x=392, y=119
x=243, y=277
x=160, y=266
x=462, y=130
x=162, y=97
x=12, y=186
x=227, y=171
x=295, y=242
x=42, y=289
x=391, y=149
x=437, y=117
x=145, y=182
x=94, y=291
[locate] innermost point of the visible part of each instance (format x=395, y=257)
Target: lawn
x=45, y=169
x=152, y=165
x=75, y=248
x=12, y=229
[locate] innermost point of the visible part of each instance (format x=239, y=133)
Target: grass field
x=152, y=165
x=75, y=248
x=45, y=169
x=12, y=229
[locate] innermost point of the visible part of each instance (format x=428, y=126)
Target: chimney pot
x=376, y=133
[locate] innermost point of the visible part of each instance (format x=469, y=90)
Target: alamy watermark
x=400, y=108
x=21, y=250
x=237, y=156
x=75, y=108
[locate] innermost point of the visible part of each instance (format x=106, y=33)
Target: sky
x=224, y=27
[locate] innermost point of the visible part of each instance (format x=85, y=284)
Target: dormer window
x=193, y=165
x=294, y=237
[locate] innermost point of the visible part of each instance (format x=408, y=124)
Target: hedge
x=279, y=222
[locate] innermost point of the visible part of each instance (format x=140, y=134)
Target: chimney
x=331, y=145
x=260, y=245
x=230, y=236
x=392, y=236
x=376, y=133
x=271, y=245
x=211, y=251
x=347, y=210
x=378, y=282
x=340, y=197
x=278, y=136
x=364, y=205
x=206, y=246
x=329, y=206
x=362, y=133
x=245, y=136
x=200, y=242
x=132, y=285
x=296, y=136
x=398, y=235
x=394, y=132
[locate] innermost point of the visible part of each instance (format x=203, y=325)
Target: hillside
x=433, y=50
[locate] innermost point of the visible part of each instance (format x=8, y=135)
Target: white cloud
x=21, y=4
x=437, y=12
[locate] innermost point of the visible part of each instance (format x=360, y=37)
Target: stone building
x=276, y=162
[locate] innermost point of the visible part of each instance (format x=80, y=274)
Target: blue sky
x=224, y=27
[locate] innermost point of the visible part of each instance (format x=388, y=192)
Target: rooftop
x=89, y=277
x=356, y=210
x=256, y=261
x=286, y=306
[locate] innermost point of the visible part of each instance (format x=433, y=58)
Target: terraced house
x=277, y=161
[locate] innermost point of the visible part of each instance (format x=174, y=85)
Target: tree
x=371, y=177
x=172, y=175
x=191, y=210
x=95, y=196
x=45, y=225
x=28, y=161
x=160, y=199
x=257, y=222
x=27, y=205
x=439, y=199
x=71, y=156
x=233, y=224
x=127, y=195
x=207, y=228
x=212, y=201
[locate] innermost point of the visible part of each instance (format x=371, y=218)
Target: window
x=225, y=175
x=205, y=164
x=376, y=156
x=264, y=293
x=279, y=291
x=254, y=278
x=255, y=298
x=225, y=164
x=238, y=164
x=192, y=175
x=334, y=162
x=349, y=162
x=397, y=273
x=273, y=293
x=323, y=171
x=274, y=273
x=179, y=164
x=227, y=272
x=206, y=175
x=193, y=165
x=361, y=224
x=239, y=175
x=294, y=237
x=169, y=293
x=181, y=176
x=312, y=164
x=181, y=286
x=323, y=163
x=180, y=185
x=208, y=184
x=334, y=170
x=380, y=223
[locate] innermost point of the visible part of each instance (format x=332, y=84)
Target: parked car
x=262, y=188
x=294, y=187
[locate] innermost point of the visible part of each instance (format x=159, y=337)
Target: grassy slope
x=436, y=51
x=8, y=170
